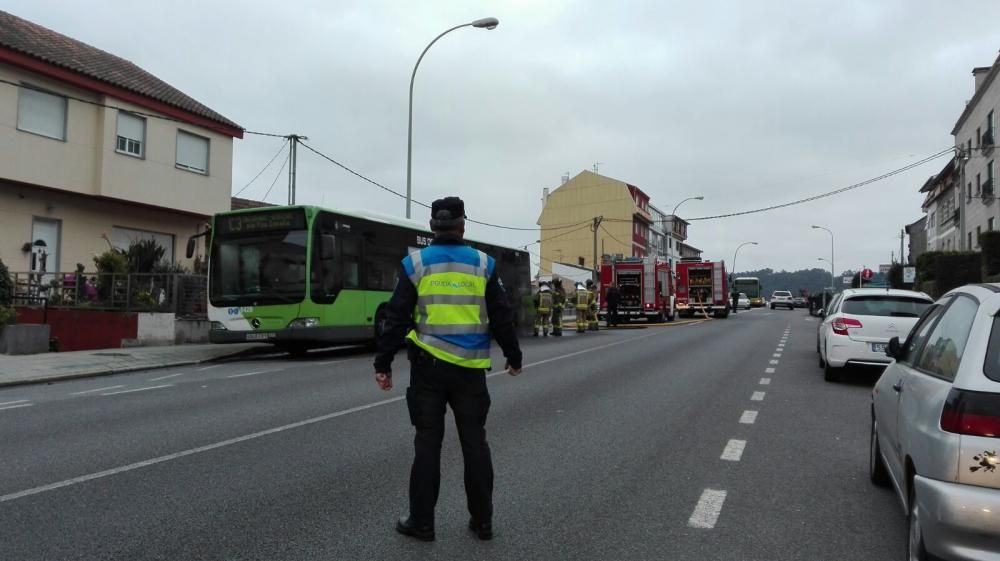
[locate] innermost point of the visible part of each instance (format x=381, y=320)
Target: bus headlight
x=304, y=322
x=217, y=326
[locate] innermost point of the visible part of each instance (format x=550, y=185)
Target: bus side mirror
x=190, y=247
x=327, y=246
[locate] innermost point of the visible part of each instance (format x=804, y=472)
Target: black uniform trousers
x=434, y=384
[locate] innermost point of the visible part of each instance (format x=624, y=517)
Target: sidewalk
x=29, y=369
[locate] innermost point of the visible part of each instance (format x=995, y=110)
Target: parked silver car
x=935, y=431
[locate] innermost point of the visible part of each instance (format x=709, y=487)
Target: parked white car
x=742, y=301
x=935, y=431
x=857, y=326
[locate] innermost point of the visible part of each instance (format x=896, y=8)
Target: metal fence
x=181, y=294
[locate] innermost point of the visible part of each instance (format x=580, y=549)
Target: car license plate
x=878, y=347
x=257, y=336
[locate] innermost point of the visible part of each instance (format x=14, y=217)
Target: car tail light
x=841, y=325
x=971, y=413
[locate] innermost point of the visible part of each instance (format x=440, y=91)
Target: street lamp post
x=833, y=275
x=732, y=275
x=673, y=215
x=485, y=23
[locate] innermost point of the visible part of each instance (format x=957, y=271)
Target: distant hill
x=811, y=280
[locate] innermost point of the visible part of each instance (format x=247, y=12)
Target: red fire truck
x=702, y=285
x=645, y=285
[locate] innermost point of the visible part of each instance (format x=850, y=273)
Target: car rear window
x=992, y=366
x=782, y=293
x=879, y=305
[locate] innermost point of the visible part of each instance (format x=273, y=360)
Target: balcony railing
x=178, y=293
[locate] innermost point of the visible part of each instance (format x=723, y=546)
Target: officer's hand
x=512, y=371
x=384, y=381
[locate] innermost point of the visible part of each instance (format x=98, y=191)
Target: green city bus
x=304, y=276
x=751, y=287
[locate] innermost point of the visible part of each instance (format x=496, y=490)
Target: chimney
x=980, y=73
x=545, y=196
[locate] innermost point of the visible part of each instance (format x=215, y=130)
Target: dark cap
x=447, y=213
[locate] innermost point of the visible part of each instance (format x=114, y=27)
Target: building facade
x=942, y=207
x=917, y=233
x=975, y=141
x=97, y=152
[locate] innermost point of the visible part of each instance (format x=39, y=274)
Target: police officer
x=581, y=300
x=613, y=298
x=592, y=305
x=447, y=302
x=543, y=309
x=558, y=305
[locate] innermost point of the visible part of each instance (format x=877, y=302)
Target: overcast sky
x=746, y=103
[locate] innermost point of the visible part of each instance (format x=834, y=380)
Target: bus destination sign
x=261, y=222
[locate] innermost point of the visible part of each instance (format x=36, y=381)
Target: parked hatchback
x=935, y=430
x=857, y=327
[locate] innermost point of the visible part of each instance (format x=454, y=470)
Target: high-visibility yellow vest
x=582, y=299
x=544, y=302
x=451, y=320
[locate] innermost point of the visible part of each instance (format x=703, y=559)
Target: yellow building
x=95, y=150
x=568, y=216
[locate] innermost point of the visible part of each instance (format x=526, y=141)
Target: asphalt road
x=657, y=443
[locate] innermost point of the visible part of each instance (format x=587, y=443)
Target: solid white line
x=748, y=417
x=17, y=406
x=768, y=371
x=765, y=381
x=255, y=435
x=167, y=376
x=140, y=389
x=209, y=367
x=334, y=361
x=249, y=374
x=772, y=361
x=104, y=389
x=757, y=396
x=706, y=512
x=15, y=401
x=733, y=451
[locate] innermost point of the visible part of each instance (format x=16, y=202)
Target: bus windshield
x=749, y=286
x=258, y=268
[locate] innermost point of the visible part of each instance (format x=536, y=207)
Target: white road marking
x=140, y=389
x=167, y=376
x=734, y=450
x=706, y=512
x=17, y=406
x=209, y=367
x=757, y=396
x=776, y=355
x=334, y=361
x=15, y=401
x=772, y=361
x=104, y=389
x=248, y=374
x=768, y=371
x=765, y=381
x=748, y=417
x=255, y=435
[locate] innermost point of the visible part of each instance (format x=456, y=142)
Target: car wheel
x=915, y=545
x=772, y=306
x=876, y=465
x=830, y=373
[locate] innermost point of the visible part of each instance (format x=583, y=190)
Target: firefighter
x=449, y=351
x=613, y=298
x=543, y=309
x=591, y=305
x=582, y=302
x=558, y=304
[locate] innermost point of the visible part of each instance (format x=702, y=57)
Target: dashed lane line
x=757, y=396
x=773, y=361
x=768, y=371
x=96, y=390
x=748, y=417
x=734, y=450
x=167, y=376
x=765, y=381
x=706, y=512
x=140, y=389
x=274, y=430
x=776, y=355
x=17, y=406
x=204, y=368
x=15, y=401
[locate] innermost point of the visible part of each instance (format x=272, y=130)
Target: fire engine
x=702, y=288
x=645, y=285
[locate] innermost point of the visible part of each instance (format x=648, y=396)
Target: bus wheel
x=297, y=350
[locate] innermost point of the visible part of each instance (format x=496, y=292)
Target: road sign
x=909, y=275
x=867, y=274
x=883, y=269
x=847, y=281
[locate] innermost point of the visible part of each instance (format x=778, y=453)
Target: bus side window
x=350, y=261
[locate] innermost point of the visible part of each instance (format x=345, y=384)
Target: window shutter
x=192, y=151
x=131, y=126
x=41, y=113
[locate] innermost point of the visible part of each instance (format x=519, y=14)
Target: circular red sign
x=867, y=274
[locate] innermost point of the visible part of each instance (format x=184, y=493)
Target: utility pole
x=595, y=227
x=293, y=140
x=902, y=235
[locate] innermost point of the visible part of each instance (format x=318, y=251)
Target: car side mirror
x=894, y=349
x=327, y=245
x=821, y=313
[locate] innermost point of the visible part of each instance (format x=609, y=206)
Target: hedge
x=990, y=243
x=955, y=269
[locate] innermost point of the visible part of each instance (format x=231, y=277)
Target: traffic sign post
x=909, y=275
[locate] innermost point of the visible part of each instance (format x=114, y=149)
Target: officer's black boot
x=406, y=527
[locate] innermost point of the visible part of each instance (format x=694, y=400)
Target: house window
x=979, y=232
x=192, y=152
x=580, y=260
x=968, y=196
x=970, y=239
x=989, y=224
x=990, y=188
x=131, y=134
x=41, y=113
x=979, y=185
x=122, y=238
x=989, y=127
x=979, y=136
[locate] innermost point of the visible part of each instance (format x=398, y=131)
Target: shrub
x=990, y=242
x=955, y=269
x=7, y=315
x=144, y=255
x=109, y=264
x=896, y=276
x=925, y=264
x=6, y=286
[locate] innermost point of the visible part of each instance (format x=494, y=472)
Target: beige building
x=976, y=139
x=94, y=147
x=567, y=218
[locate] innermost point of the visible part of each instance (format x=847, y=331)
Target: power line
x=277, y=175
x=831, y=193
x=276, y=154
x=612, y=236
